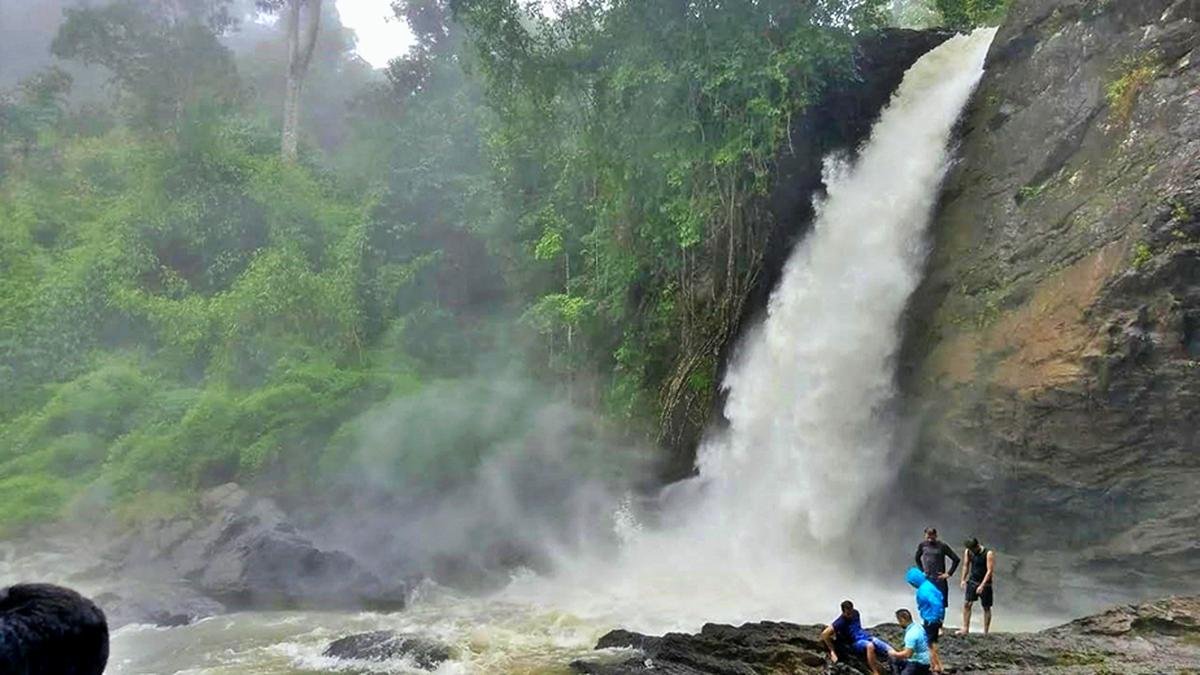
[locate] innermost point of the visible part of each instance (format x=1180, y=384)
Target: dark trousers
x=943, y=586
x=912, y=668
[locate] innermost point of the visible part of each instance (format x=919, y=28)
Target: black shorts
x=932, y=630
x=984, y=596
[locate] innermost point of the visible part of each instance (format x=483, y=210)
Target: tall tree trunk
x=300, y=51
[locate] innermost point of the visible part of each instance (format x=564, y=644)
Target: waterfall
x=762, y=531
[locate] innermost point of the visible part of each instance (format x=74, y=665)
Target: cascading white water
x=760, y=532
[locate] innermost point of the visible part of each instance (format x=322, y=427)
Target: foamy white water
x=761, y=533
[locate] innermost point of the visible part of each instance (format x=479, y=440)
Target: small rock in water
x=385, y=644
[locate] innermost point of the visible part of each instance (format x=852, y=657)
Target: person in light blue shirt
x=914, y=659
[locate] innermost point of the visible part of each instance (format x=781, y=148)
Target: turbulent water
x=762, y=532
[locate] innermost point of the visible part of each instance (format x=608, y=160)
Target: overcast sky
x=380, y=35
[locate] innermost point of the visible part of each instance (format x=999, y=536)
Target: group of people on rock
x=931, y=580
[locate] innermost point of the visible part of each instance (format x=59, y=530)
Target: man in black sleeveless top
x=977, y=582
x=931, y=559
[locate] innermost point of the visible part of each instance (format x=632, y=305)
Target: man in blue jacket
x=931, y=609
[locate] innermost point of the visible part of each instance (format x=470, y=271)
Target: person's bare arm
x=905, y=653
x=965, y=566
x=827, y=638
x=991, y=565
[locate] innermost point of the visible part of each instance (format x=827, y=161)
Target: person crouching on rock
x=915, y=657
x=933, y=613
x=847, y=632
x=977, y=582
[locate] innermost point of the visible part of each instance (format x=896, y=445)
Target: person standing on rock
x=932, y=610
x=915, y=655
x=977, y=582
x=847, y=631
x=931, y=558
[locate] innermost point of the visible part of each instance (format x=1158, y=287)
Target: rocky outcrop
x=1053, y=354
x=1161, y=637
x=235, y=552
x=840, y=121
x=386, y=645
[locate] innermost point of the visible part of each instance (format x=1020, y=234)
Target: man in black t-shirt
x=977, y=583
x=931, y=559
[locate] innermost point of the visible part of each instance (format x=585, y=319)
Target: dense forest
x=227, y=243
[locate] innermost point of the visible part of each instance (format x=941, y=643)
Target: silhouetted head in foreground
x=50, y=630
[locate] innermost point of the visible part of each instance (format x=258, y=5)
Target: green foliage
x=1142, y=255
x=1030, y=192
x=967, y=14
x=1135, y=73
x=630, y=138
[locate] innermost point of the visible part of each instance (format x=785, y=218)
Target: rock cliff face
x=1052, y=359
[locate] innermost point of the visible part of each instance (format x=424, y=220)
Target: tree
x=165, y=58
x=300, y=50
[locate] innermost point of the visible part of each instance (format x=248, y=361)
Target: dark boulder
x=240, y=552
x=385, y=645
x=155, y=603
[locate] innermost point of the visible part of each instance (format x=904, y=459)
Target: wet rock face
x=386, y=645
x=1161, y=637
x=1052, y=358
x=236, y=552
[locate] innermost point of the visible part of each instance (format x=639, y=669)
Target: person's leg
x=986, y=601
x=966, y=624
x=933, y=632
x=872, y=662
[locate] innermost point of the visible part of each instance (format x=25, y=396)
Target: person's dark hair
x=51, y=629
x=971, y=543
x=847, y=605
x=931, y=530
x=904, y=614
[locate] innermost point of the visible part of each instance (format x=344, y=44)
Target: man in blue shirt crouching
x=915, y=655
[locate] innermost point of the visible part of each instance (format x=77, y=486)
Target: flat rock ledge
x=1161, y=637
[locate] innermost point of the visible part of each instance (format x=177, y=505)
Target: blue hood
x=915, y=577
x=930, y=602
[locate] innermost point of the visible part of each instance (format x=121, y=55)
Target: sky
x=381, y=36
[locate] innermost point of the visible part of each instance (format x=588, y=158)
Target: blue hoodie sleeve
x=929, y=603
